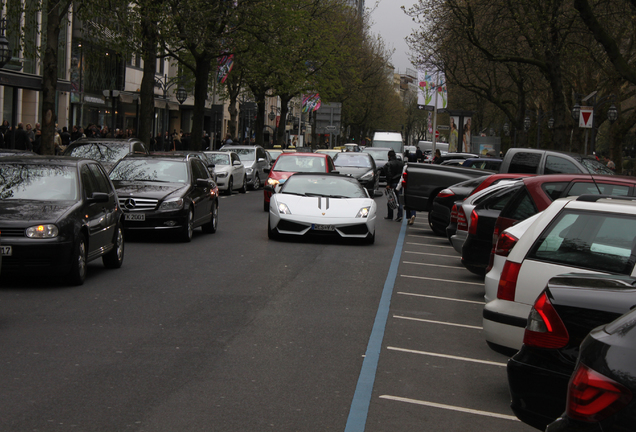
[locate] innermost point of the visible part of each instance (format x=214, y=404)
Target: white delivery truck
x=392, y=140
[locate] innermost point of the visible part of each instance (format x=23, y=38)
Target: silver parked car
x=229, y=170
x=256, y=161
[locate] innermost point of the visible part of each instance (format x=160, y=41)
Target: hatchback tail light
x=445, y=193
x=545, y=328
x=453, y=217
x=501, y=245
x=462, y=223
x=593, y=397
x=474, y=218
x=508, y=281
x=404, y=177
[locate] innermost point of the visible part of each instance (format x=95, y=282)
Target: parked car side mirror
x=237, y=163
x=98, y=197
x=267, y=170
x=203, y=182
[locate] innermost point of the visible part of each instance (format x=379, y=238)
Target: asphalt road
x=233, y=332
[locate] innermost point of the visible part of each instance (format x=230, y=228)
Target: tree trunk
x=147, y=90
x=203, y=68
x=259, y=96
x=49, y=77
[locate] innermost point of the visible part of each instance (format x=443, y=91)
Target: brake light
x=545, y=328
x=505, y=244
x=508, y=281
x=445, y=193
x=593, y=397
x=404, y=177
x=462, y=223
x=474, y=218
x=453, y=217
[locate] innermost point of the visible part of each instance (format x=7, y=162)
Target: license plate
x=322, y=227
x=135, y=217
x=6, y=251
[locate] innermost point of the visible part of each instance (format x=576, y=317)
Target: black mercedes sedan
x=56, y=215
x=360, y=166
x=173, y=193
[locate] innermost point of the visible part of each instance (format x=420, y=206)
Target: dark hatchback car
x=170, y=193
x=565, y=312
x=601, y=390
x=107, y=151
x=360, y=166
x=56, y=215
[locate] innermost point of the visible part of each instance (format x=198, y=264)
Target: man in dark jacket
x=393, y=170
x=22, y=141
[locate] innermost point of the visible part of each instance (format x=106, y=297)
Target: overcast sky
x=390, y=22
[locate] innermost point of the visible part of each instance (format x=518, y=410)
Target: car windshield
x=595, y=167
x=218, y=159
x=300, y=163
x=156, y=170
x=245, y=154
x=378, y=155
x=102, y=152
x=327, y=186
x=38, y=182
x=352, y=160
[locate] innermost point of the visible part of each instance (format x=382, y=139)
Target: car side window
x=101, y=181
x=525, y=163
x=139, y=148
x=559, y=165
x=88, y=182
x=500, y=199
x=198, y=170
x=260, y=154
x=590, y=188
x=554, y=190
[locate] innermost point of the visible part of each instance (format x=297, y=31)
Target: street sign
x=443, y=127
x=330, y=128
x=586, y=117
x=436, y=134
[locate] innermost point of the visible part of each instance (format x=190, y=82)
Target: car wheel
x=257, y=182
x=230, y=185
x=188, y=228
x=436, y=231
x=77, y=275
x=115, y=258
x=210, y=227
x=243, y=188
x=272, y=234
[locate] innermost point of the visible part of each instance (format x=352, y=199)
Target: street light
x=5, y=51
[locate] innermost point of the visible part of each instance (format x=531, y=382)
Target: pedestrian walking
x=393, y=172
x=410, y=214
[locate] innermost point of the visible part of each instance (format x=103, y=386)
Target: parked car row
x=560, y=289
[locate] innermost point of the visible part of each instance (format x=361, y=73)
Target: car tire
x=115, y=257
x=230, y=185
x=257, y=182
x=77, y=275
x=243, y=188
x=210, y=227
x=437, y=232
x=188, y=228
x=271, y=233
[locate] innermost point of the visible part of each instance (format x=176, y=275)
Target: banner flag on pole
x=226, y=63
x=429, y=83
x=311, y=102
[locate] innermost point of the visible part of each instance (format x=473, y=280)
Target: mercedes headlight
x=364, y=212
x=367, y=176
x=283, y=209
x=42, y=231
x=173, y=204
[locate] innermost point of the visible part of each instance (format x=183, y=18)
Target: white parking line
x=433, y=254
x=443, y=280
x=450, y=407
x=452, y=357
x=428, y=244
x=438, y=322
x=442, y=298
x=433, y=265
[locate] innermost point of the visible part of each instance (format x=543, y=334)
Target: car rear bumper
x=504, y=323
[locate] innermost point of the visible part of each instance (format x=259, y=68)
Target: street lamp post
x=165, y=84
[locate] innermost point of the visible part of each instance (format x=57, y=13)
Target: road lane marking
x=430, y=245
x=443, y=280
x=450, y=407
x=359, y=410
x=447, y=356
x=437, y=322
x=442, y=298
x=433, y=254
x=433, y=265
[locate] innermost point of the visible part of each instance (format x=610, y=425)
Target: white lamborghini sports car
x=324, y=205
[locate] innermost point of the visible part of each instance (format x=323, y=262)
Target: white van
x=392, y=140
x=427, y=146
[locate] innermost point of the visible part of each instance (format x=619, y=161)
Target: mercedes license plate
x=322, y=227
x=6, y=251
x=135, y=217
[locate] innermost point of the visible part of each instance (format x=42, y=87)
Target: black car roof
x=164, y=156
x=46, y=160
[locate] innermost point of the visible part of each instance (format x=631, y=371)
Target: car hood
x=322, y=206
x=148, y=189
x=40, y=211
x=353, y=171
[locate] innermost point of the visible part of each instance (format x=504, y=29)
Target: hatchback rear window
x=589, y=240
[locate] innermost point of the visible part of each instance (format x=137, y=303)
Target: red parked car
x=290, y=163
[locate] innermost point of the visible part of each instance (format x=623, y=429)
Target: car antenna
x=594, y=180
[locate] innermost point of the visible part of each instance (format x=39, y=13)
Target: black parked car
x=601, y=390
x=360, y=166
x=170, y=193
x=107, y=151
x=567, y=310
x=56, y=215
